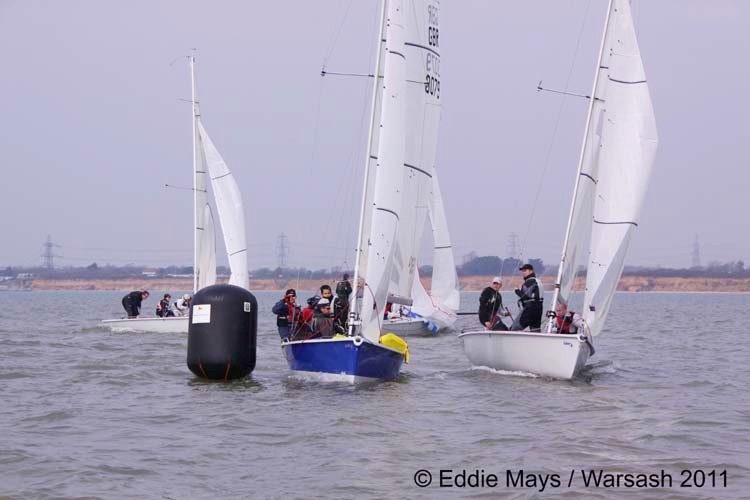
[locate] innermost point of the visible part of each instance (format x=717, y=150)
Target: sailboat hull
x=406, y=327
x=342, y=360
x=418, y=325
x=154, y=325
x=546, y=354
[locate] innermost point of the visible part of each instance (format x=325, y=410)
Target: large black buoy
x=222, y=330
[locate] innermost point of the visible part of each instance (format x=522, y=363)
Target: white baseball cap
x=497, y=279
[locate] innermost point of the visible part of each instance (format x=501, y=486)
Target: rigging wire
x=554, y=134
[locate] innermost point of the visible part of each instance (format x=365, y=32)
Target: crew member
x=132, y=302
x=182, y=305
x=530, y=300
x=341, y=303
x=164, y=308
x=491, y=306
x=288, y=314
x=568, y=322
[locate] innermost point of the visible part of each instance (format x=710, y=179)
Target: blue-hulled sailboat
x=403, y=129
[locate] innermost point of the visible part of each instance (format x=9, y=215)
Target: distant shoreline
x=467, y=283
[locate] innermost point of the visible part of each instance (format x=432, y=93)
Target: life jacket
x=565, y=324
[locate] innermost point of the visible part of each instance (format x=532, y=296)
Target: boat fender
x=358, y=341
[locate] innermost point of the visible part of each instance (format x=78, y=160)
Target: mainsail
x=231, y=212
x=386, y=196
x=202, y=275
x=207, y=250
x=581, y=213
x=626, y=156
x=422, y=49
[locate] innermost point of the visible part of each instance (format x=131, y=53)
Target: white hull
x=156, y=325
x=547, y=354
x=406, y=326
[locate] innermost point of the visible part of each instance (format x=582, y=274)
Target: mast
x=195, y=174
x=353, y=316
x=586, y=132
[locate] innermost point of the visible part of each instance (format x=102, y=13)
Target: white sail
x=372, y=156
x=422, y=50
x=439, y=307
x=200, y=193
x=581, y=215
x=231, y=212
x=628, y=147
x=444, y=289
x=386, y=195
x=207, y=250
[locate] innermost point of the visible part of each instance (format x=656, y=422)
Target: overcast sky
x=93, y=126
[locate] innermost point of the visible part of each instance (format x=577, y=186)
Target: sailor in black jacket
x=132, y=302
x=491, y=304
x=531, y=301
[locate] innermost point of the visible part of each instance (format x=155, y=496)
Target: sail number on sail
x=432, y=62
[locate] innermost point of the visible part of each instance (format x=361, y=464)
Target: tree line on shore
x=488, y=265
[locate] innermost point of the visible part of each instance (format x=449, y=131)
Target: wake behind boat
x=617, y=155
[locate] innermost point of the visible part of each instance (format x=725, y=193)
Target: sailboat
x=426, y=313
x=206, y=161
x=407, y=39
x=617, y=155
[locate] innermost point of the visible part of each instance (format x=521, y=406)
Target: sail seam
x=410, y=44
x=219, y=177
x=238, y=251
x=396, y=53
x=418, y=169
x=443, y=248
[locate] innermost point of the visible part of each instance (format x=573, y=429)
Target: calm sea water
x=90, y=413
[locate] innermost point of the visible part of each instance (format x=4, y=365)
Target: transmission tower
x=513, y=246
x=696, y=253
x=48, y=255
x=282, y=250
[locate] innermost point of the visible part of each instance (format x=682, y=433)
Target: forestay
x=231, y=212
x=628, y=147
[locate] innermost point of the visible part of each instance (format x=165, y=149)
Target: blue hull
x=341, y=359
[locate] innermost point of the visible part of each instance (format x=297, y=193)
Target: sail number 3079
x=432, y=82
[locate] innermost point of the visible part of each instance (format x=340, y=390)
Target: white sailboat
x=429, y=313
x=617, y=155
x=414, y=311
x=206, y=161
x=398, y=171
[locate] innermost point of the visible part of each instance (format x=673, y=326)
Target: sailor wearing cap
x=287, y=314
x=530, y=300
x=322, y=325
x=491, y=306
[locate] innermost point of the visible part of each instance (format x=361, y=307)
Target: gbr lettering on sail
x=432, y=61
